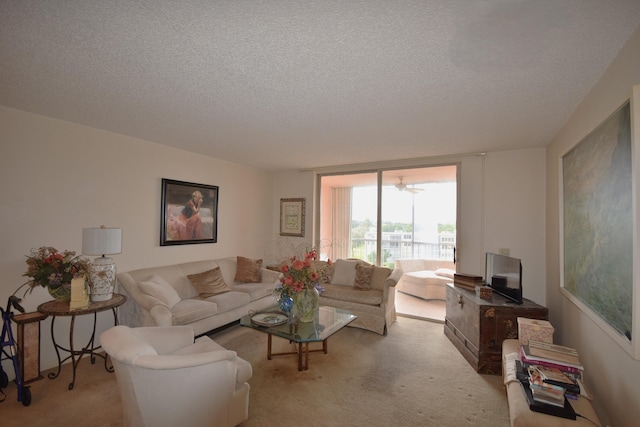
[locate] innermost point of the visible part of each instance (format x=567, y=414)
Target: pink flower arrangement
x=298, y=274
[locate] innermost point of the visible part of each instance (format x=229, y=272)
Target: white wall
x=612, y=374
x=57, y=177
x=515, y=210
x=502, y=205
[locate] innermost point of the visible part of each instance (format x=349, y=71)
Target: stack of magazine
x=550, y=374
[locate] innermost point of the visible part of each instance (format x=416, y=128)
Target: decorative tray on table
x=269, y=319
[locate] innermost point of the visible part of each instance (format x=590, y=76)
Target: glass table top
x=326, y=322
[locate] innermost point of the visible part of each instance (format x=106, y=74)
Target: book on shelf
x=534, y=354
x=557, y=377
x=554, y=351
x=552, y=378
x=570, y=371
x=536, y=381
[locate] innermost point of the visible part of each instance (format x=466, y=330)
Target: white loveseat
x=425, y=278
x=373, y=304
x=150, y=303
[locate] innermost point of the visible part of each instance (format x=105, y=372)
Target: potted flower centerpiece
x=299, y=286
x=54, y=270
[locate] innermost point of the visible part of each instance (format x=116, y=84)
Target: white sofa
x=375, y=307
x=202, y=314
x=167, y=379
x=425, y=278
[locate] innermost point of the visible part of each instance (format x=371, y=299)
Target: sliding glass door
x=386, y=215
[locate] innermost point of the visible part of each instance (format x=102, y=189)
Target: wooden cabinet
x=477, y=326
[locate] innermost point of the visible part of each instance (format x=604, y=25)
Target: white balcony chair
x=167, y=379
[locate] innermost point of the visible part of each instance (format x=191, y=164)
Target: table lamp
x=102, y=272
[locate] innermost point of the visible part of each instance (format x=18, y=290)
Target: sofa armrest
x=394, y=277
x=161, y=315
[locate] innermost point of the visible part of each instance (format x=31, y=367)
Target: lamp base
x=102, y=279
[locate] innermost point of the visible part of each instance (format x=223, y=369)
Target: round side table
x=61, y=308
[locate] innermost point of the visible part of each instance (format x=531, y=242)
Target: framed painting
x=189, y=213
x=597, y=224
x=292, y=217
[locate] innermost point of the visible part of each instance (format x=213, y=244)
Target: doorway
x=385, y=215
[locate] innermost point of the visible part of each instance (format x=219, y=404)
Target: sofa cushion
x=229, y=301
x=379, y=277
x=157, y=287
x=255, y=290
x=248, y=270
x=191, y=310
x=344, y=272
x=363, y=276
x=209, y=283
x=351, y=294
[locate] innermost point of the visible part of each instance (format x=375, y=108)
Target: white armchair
x=167, y=379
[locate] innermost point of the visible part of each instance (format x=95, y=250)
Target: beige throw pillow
x=157, y=287
x=209, y=283
x=248, y=270
x=379, y=277
x=344, y=272
x=363, y=277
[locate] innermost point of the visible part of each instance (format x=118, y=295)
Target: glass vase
x=286, y=304
x=61, y=293
x=305, y=304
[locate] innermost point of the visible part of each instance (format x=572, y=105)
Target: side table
x=61, y=308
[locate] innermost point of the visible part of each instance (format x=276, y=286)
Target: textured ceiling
x=301, y=84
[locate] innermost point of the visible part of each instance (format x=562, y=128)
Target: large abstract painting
x=598, y=221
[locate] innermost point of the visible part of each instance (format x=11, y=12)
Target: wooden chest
x=477, y=326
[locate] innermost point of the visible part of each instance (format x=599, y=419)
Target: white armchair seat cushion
x=204, y=344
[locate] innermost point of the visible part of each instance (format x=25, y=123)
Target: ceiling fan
x=403, y=187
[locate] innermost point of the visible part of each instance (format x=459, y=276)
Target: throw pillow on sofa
x=363, y=276
x=157, y=287
x=344, y=272
x=248, y=270
x=209, y=283
x=379, y=277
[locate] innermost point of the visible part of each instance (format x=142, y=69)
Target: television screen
x=504, y=275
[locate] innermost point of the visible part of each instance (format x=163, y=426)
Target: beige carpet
x=413, y=376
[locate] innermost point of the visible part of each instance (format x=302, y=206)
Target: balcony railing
x=400, y=249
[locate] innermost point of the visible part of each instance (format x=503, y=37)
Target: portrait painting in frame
x=189, y=213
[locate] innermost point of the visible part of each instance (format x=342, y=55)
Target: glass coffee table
x=327, y=322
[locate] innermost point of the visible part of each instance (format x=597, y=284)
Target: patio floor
x=410, y=306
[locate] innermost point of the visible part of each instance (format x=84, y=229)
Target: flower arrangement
x=50, y=269
x=298, y=274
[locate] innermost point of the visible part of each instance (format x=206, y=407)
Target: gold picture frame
x=292, y=217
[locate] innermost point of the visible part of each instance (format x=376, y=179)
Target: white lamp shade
x=101, y=241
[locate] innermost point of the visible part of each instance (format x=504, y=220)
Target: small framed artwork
x=292, y=217
x=189, y=213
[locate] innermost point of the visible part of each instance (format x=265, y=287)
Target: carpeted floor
x=413, y=376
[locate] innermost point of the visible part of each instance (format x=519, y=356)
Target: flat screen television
x=504, y=275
